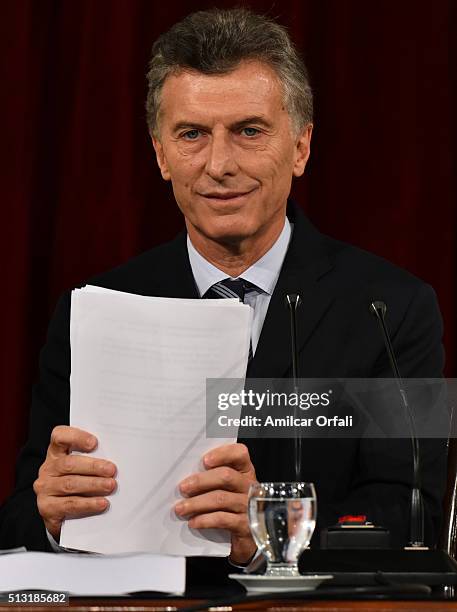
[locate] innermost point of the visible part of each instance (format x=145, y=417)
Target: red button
x=350, y=518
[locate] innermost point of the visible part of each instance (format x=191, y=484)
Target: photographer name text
x=288, y=421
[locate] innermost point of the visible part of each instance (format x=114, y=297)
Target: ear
x=161, y=159
x=302, y=150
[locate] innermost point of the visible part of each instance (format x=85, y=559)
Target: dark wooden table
x=171, y=605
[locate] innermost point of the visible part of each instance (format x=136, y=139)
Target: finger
x=82, y=465
x=212, y=502
x=64, y=439
x=77, y=485
x=237, y=524
x=234, y=455
x=57, y=509
x=218, y=478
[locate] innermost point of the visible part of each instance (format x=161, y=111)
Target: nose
x=221, y=161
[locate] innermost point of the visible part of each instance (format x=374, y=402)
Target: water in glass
x=282, y=517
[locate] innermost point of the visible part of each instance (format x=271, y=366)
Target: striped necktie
x=229, y=288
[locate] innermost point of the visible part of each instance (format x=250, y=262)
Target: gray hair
x=215, y=42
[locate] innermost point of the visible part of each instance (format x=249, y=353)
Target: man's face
x=227, y=145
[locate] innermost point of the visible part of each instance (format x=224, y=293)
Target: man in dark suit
x=230, y=113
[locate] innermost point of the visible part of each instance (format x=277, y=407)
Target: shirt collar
x=263, y=273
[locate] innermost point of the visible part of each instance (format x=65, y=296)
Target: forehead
x=252, y=88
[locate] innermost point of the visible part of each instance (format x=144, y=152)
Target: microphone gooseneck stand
x=378, y=309
x=293, y=302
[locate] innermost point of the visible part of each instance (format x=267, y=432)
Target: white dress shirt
x=263, y=273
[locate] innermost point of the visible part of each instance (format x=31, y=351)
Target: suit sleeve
x=20, y=521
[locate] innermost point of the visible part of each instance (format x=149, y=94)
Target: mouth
x=226, y=196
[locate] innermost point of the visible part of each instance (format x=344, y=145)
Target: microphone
x=378, y=309
x=293, y=302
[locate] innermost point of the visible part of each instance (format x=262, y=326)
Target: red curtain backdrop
x=80, y=190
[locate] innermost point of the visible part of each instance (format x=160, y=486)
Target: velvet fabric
x=81, y=191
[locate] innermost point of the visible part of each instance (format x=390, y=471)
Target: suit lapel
x=306, y=262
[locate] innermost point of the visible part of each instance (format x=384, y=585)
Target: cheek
x=181, y=177
x=268, y=164
x=185, y=171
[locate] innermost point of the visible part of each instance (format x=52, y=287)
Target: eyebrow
x=254, y=119
x=258, y=119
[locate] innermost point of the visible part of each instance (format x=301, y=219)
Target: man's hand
x=218, y=498
x=71, y=486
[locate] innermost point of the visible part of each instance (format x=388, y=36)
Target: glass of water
x=282, y=517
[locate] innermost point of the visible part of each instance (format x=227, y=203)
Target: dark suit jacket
x=337, y=338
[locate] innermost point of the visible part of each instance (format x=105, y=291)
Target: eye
x=250, y=131
x=191, y=134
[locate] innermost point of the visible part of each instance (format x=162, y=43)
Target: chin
x=228, y=232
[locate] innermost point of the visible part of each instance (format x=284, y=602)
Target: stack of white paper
x=138, y=380
x=91, y=574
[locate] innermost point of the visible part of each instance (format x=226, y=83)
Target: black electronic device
x=354, y=532
x=368, y=567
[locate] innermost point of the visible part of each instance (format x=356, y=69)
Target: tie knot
x=229, y=288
